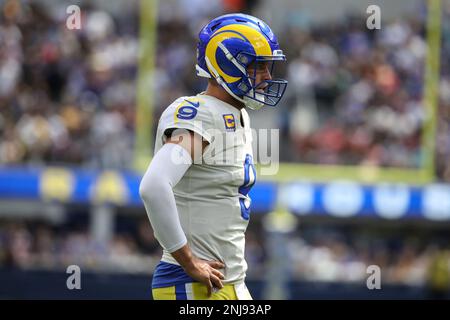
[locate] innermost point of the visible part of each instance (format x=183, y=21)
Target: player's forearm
x=156, y=192
x=184, y=257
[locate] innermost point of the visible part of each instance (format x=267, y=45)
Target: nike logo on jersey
x=194, y=104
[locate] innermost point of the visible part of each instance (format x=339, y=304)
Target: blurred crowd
x=343, y=254
x=355, y=95
x=332, y=256
x=67, y=96
x=314, y=254
x=38, y=245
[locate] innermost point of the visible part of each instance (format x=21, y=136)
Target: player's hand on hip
x=207, y=272
x=203, y=271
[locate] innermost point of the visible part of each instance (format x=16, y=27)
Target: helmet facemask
x=265, y=92
x=253, y=95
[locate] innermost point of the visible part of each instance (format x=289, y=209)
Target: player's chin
x=262, y=88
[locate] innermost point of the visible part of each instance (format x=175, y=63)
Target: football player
x=196, y=187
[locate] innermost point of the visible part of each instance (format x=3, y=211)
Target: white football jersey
x=212, y=197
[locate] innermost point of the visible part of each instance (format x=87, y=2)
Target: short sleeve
x=189, y=113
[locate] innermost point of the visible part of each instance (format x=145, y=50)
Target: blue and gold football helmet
x=228, y=45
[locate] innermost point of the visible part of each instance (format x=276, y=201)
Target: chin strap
x=253, y=104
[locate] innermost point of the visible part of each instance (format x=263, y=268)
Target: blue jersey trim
x=169, y=274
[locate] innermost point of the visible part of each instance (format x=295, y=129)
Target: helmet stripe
x=211, y=50
x=253, y=36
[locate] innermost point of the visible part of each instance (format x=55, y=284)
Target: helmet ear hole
x=243, y=59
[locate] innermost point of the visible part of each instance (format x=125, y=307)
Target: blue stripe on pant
x=180, y=291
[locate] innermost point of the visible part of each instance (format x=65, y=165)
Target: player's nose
x=267, y=75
